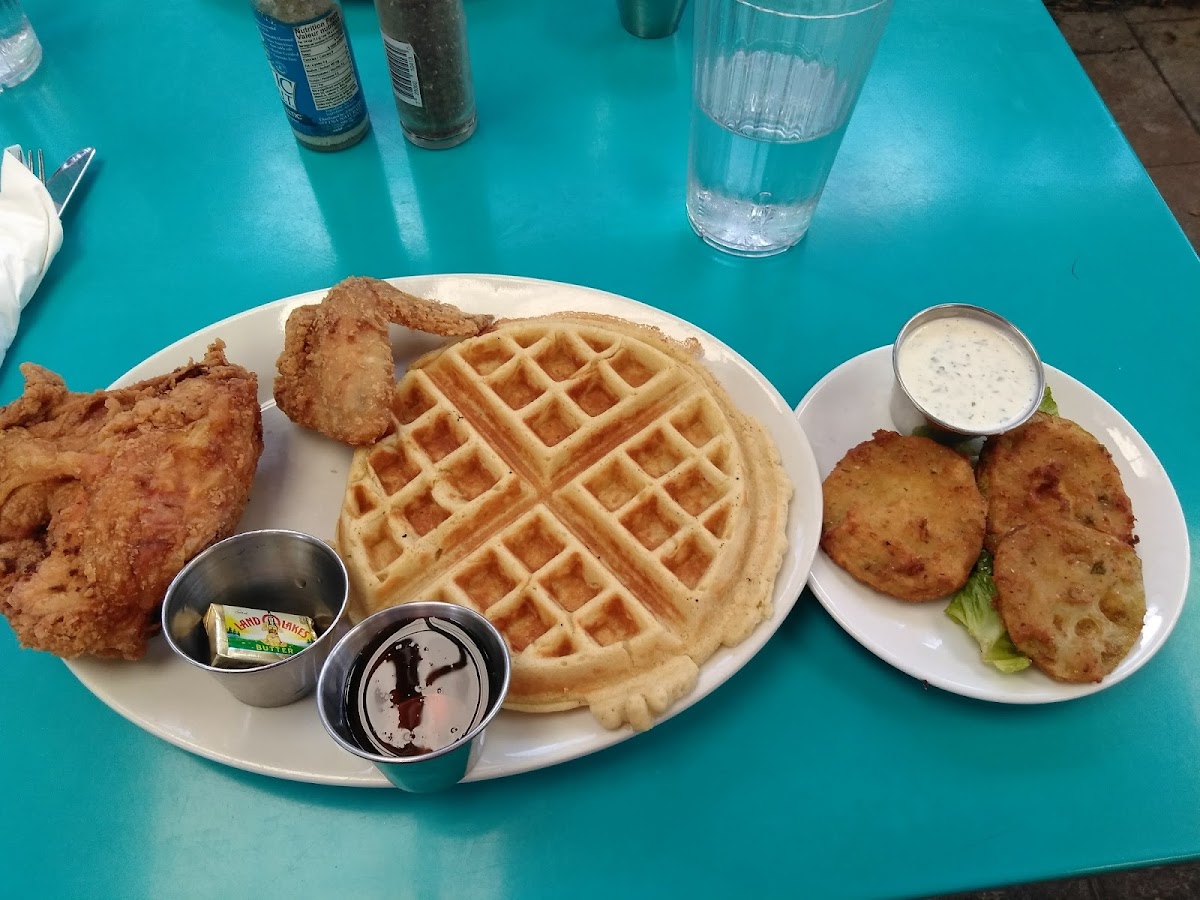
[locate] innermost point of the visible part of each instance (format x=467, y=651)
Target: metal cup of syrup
x=412, y=688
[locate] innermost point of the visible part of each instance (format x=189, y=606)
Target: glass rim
x=857, y=8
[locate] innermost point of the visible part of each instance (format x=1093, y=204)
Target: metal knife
x=61, y=185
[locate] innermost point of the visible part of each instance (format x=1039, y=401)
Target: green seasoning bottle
x=426, y=46
x=310, y=55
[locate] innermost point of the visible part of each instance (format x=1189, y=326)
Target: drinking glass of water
x=20, y=51
x=773, y=86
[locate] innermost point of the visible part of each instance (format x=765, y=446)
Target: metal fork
x=36, y=165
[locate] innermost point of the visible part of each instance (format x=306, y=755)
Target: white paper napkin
x=30, y=235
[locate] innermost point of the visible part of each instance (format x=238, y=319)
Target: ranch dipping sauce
x=968, y=369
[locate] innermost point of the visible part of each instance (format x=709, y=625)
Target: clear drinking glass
x=773, y=86
x=20, y=51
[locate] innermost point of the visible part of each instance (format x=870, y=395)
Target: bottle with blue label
x=309, y=52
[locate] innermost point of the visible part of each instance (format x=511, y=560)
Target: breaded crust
x=418, y=313
x=336, y=372
x=1071, y=598
x=1052, y=468
x=903, y=515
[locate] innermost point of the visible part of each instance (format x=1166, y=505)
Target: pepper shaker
x=309, y=52
x=426, y=46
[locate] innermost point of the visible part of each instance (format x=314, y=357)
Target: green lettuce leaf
x=1048, y=406
x=972, y=607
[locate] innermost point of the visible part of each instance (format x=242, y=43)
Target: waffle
x=589, y=487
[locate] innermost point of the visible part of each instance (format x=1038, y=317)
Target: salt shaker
x=426, y=46
x=309, y=52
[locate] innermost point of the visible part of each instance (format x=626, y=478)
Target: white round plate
x=299, y=485
x=849, y=404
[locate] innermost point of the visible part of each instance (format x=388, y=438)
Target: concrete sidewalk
x=1144, y=60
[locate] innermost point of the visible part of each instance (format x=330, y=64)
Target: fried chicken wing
x=336, y=371
x=104, y=497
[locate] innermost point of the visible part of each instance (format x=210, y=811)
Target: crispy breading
x=336, y=371
x=903, y=515
x=420, y=313
x=1052, y=468
x=104, y=497
x=1071, y=598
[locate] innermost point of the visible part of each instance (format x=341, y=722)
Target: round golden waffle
x=588, y=486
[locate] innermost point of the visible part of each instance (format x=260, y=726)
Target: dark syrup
x=404, y=697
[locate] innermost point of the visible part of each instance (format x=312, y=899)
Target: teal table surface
x=980, y=166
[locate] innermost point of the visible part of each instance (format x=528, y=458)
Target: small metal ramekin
x=285, y=571
x=908, y=413
x=440, y=768
x=650, y=18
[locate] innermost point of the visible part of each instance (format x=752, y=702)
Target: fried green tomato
x=904, y=516
x=1048, y=468
x=1071, y=597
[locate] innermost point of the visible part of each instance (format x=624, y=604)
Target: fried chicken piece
x=336, y=371
x=1071, y=597
x=1048, y=468
x=903, y=515
x=104, y=497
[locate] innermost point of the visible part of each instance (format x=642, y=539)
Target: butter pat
x=241, y=638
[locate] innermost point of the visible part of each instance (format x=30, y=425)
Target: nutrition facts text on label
x=326, y=58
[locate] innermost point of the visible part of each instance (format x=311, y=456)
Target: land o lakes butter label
x=240, y=637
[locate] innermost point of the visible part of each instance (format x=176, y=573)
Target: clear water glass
x=773, y=86
x=20, y=50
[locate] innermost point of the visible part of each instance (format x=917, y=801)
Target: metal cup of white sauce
x=285, y=571
x=965, y=371
x=412, y=688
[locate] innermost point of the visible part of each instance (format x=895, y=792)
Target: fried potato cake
x=1071, y=598
x=904, y=516
x=1052, y=468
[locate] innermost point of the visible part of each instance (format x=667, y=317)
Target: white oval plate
x=299, y=485
x=846, y=406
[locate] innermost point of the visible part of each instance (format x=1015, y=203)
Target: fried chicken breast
x=1070, y=596
x=1051, y=468
x=336, y=371
x=903, y=515
x=104, y=497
